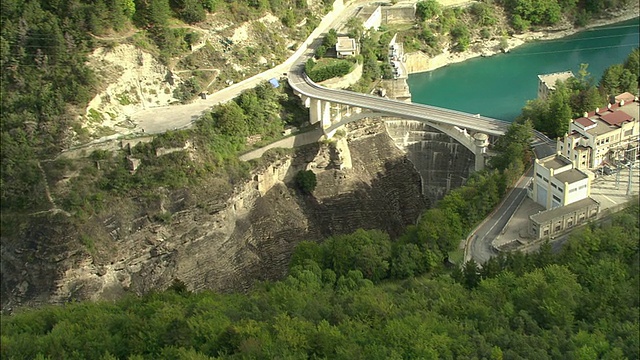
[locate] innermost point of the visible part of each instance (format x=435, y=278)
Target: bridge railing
x=498, y=122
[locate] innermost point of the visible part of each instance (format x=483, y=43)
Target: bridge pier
x=481, y=141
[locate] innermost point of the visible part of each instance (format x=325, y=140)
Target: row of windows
x=543, y=178
x=559, y=188
x=558, y=225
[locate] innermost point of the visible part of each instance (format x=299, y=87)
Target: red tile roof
x=585, y=122
x=616, y=118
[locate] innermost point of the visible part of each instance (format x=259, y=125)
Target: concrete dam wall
x=442, y=162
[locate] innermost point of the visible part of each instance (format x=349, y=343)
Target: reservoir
x=499, y=86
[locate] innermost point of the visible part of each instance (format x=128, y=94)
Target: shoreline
x=491, y=47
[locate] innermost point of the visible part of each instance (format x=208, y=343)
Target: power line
x=585, y=39
x=572, y=50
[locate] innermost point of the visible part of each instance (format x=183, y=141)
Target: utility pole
x=630, y=175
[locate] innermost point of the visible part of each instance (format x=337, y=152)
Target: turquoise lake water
x=499, y=86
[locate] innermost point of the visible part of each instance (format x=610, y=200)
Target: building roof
x=574, y=134
x=616, y=118
x=570, y=176
x=550, y=79
x=601, y=128
x=555, y=162
x=626, y=96
x=585, y=122
x=345, y=44
x=548, y=215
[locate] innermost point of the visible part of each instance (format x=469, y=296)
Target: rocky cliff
x=214, y=236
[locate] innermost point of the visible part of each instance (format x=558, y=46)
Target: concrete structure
x=548, y=223
x=557, y=183
x=604, y=135
x=346, y=47
x=397, y=58
x=335, y=108
x=547, y=82
x=400, y=13
x=371, y=17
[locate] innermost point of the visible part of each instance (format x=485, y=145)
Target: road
x=410, y=111
x=479, y=247
x=160, y=119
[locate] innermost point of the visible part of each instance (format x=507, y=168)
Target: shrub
x=306, y=181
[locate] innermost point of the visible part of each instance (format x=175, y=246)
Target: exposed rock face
x=442, y=162
x=215, y=237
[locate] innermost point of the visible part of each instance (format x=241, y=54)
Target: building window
x=570, y=223
x=539, y=176
x=556, y=198
x=558, y=226
x=545, y=180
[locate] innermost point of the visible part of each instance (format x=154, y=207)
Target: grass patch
x=95, y=116
x=124, y=99
x=88, y=243
x=457, y=256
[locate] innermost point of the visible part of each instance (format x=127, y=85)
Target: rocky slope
x=220, y=240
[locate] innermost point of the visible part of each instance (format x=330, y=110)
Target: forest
x=339, y=303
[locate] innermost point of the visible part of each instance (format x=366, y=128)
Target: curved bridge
x=334, y=108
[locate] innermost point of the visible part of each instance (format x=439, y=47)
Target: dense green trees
x=582, y=303
x=619, y=78
x=306, y=181
x=574, y=97
x=428, y=9
x=45, y=83
x=328, y=68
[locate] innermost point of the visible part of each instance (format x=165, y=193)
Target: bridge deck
x=301, y=83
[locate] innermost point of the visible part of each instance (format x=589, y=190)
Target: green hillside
x=580, y=304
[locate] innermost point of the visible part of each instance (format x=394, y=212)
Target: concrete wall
x=344, y=81
x=375, y=20
x=576, y=191
x=442, y=162
x=397, y=14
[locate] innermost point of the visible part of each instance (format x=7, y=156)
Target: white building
x=604, y=135
x=345, y=47
x=547, y=82
x=557, y=183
